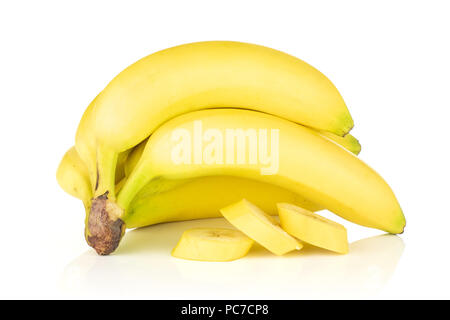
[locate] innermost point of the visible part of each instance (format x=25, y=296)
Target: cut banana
x=312, y=228
x=212, y=244
x=260, y=226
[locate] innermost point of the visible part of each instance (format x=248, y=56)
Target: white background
x=390, y=61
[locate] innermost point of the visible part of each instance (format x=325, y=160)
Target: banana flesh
x=212, y=244
x=309, y=164
x=312, y=228
x=349, y=142
x=260, y=227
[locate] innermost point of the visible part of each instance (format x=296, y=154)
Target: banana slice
x=312, y=228
x=212, y=244
x=260, y=226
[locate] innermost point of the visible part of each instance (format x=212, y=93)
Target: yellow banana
x=199, y=76
x=203, y=197
x=215, y=74
x=260, y=226
x=184, y=199
x=309, y=165
x=73, y=177
x=212, y=244
x=176, y=200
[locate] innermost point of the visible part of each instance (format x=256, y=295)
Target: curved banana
x=185, y=199
x=349, y=142
x=73, y=177
x=215, y=74
x=309, y=165
x=86, y=146
x=203, y=197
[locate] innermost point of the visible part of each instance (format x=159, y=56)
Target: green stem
x=106, y=172
x=135, y=183
x=104, y=226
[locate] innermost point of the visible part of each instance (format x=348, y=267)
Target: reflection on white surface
x=143, y=267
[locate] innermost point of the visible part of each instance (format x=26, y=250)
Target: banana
x=73, y=177
x=198, y=198
x=215, y=74
x=199, y=76
x=313, y=228
x=309, y=165
x=260, y=227
x=212, y=244
x=349, y=142
x=179, y=201
x=86, y=149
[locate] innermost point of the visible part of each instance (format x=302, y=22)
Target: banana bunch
x=157, y=143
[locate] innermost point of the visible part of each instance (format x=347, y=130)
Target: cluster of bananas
x=122, y=165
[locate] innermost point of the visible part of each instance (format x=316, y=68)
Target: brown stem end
x=104, y=227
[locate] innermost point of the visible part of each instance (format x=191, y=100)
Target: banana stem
x=106, y=172
x=135, y=182
x=104, y=226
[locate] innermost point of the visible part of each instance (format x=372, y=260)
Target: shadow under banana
x=143, y=265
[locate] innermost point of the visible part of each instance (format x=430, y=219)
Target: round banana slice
x=212, y=244
x=312, y=228
x=260, y=226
